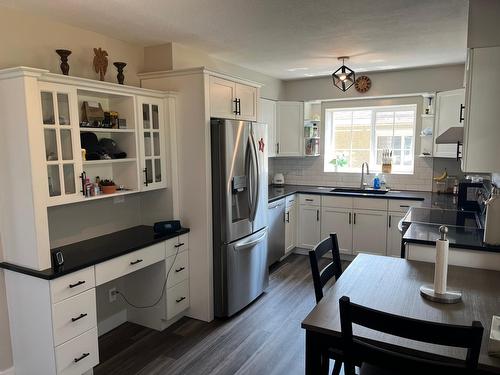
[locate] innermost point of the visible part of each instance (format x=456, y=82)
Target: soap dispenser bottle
x=376, y=182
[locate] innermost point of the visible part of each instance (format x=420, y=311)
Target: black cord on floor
x=162, y=290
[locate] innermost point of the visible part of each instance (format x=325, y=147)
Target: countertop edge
x=49, y=273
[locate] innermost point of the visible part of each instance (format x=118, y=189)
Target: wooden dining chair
x=380, y=358
x=320, y=278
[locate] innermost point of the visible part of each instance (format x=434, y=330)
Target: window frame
x=329, y=129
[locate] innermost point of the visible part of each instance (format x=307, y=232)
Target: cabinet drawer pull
x=404, y=206
x=235, y=101
x=135, y=262
x=179, y=244
x=390, y=220
x=350, y=218
x=180, y=299
x=354, y=221
x=83, y=356
x=317, y=215
x=309, y=200
x=461, y=113
x=76, y=284
x=78, y=317
x=180, y=269
x=145, y=171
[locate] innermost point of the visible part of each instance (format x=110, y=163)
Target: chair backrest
x=320, y=278
x=404, y=360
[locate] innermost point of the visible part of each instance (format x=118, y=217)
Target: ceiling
x=283, y=38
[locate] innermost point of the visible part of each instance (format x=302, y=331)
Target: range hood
x=453, y=135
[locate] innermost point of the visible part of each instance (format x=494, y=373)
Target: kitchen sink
x=360, y=191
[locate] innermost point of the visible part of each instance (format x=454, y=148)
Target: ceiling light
x=343, y=77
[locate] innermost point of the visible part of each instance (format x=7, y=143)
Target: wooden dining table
x=393, y=285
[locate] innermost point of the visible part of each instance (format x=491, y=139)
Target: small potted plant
x=108, y=186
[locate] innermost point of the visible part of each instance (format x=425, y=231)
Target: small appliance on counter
x=278, y=179
x=492, y=224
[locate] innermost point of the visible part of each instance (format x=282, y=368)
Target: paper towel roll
x=441, y=269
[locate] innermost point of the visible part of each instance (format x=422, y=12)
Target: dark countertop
x=96, y=250
x=429, y=198
x=459, y=237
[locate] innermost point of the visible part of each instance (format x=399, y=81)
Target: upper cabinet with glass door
x=152, y=143
x=59, y=119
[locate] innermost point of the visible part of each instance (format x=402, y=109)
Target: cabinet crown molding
x=44, y=75
x=197, y=70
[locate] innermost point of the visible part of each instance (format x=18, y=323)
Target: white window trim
x=329, y=168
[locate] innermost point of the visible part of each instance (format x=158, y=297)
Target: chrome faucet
x=363, y=184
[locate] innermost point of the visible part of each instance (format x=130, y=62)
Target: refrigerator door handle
x=255, y=178
x=250, y=242
x=248, y=152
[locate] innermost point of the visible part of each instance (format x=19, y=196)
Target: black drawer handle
x=78, y=317
x=179, y=244
x=135, y=262
x=83, y=356
x=180, y=269
x=76, y=284
x=180, y=299
x=404, y=206
x=309, y=200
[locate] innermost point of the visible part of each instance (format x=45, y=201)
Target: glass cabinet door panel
x=156, y=119
x=66, y=144
x=54, y=180
x=156, y=144
x=47, y=108
x=157, y=170
x=69, y=179
x=147, y=143
x=63, y=107
x=149, y=171
x=145, y=116
x=50, y=144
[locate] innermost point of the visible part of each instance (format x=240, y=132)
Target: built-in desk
x=53, y=312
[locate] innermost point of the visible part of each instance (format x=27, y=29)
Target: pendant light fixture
x=343, y=77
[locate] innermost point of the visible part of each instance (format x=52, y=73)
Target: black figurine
x=63, y=54
x=119, y=66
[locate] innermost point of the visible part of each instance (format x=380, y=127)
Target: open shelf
x=106, y=130
x=117, y=194
x=108, y=161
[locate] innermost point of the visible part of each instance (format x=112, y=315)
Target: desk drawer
x=78, y=355
x=73, y=316
x=180, y=269
x=181, y=243
x=403, y=205
x=177, y=299
x=72, y=284
x=310, y=199
x=121, y=266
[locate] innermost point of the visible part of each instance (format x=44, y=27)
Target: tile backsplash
x=309, y=171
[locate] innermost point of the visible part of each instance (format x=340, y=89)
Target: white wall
x=401, y=82
x=484, y=28
x=177, y=56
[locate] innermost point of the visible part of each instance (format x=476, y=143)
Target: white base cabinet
x=290, y=224
x=369, y=232
x=309, y=228
x=394, y=236
x=339, y=221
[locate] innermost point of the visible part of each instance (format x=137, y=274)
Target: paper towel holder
x=428, y=291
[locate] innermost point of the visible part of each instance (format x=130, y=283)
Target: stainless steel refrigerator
x=239, y=206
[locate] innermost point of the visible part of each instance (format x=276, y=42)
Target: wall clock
x=363, y=84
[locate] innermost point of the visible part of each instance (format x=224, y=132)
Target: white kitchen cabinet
x=482, y=111
x=338, y=220
x=309, y=229
x=232, y=100
x=290, y=128
x=369, y=232
x=393, y=234
x=290, y=224
x=267, y=115
x=59, y=119
x=152, y=143
x=449, y=113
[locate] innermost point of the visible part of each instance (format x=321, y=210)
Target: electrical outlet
x=112, y=295
x=119, y=199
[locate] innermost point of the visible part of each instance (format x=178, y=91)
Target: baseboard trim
x=111, y=322
x=9, y=371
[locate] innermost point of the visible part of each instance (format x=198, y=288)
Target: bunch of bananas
x=442, y=177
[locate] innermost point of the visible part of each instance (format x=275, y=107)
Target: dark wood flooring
x=265, y=338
